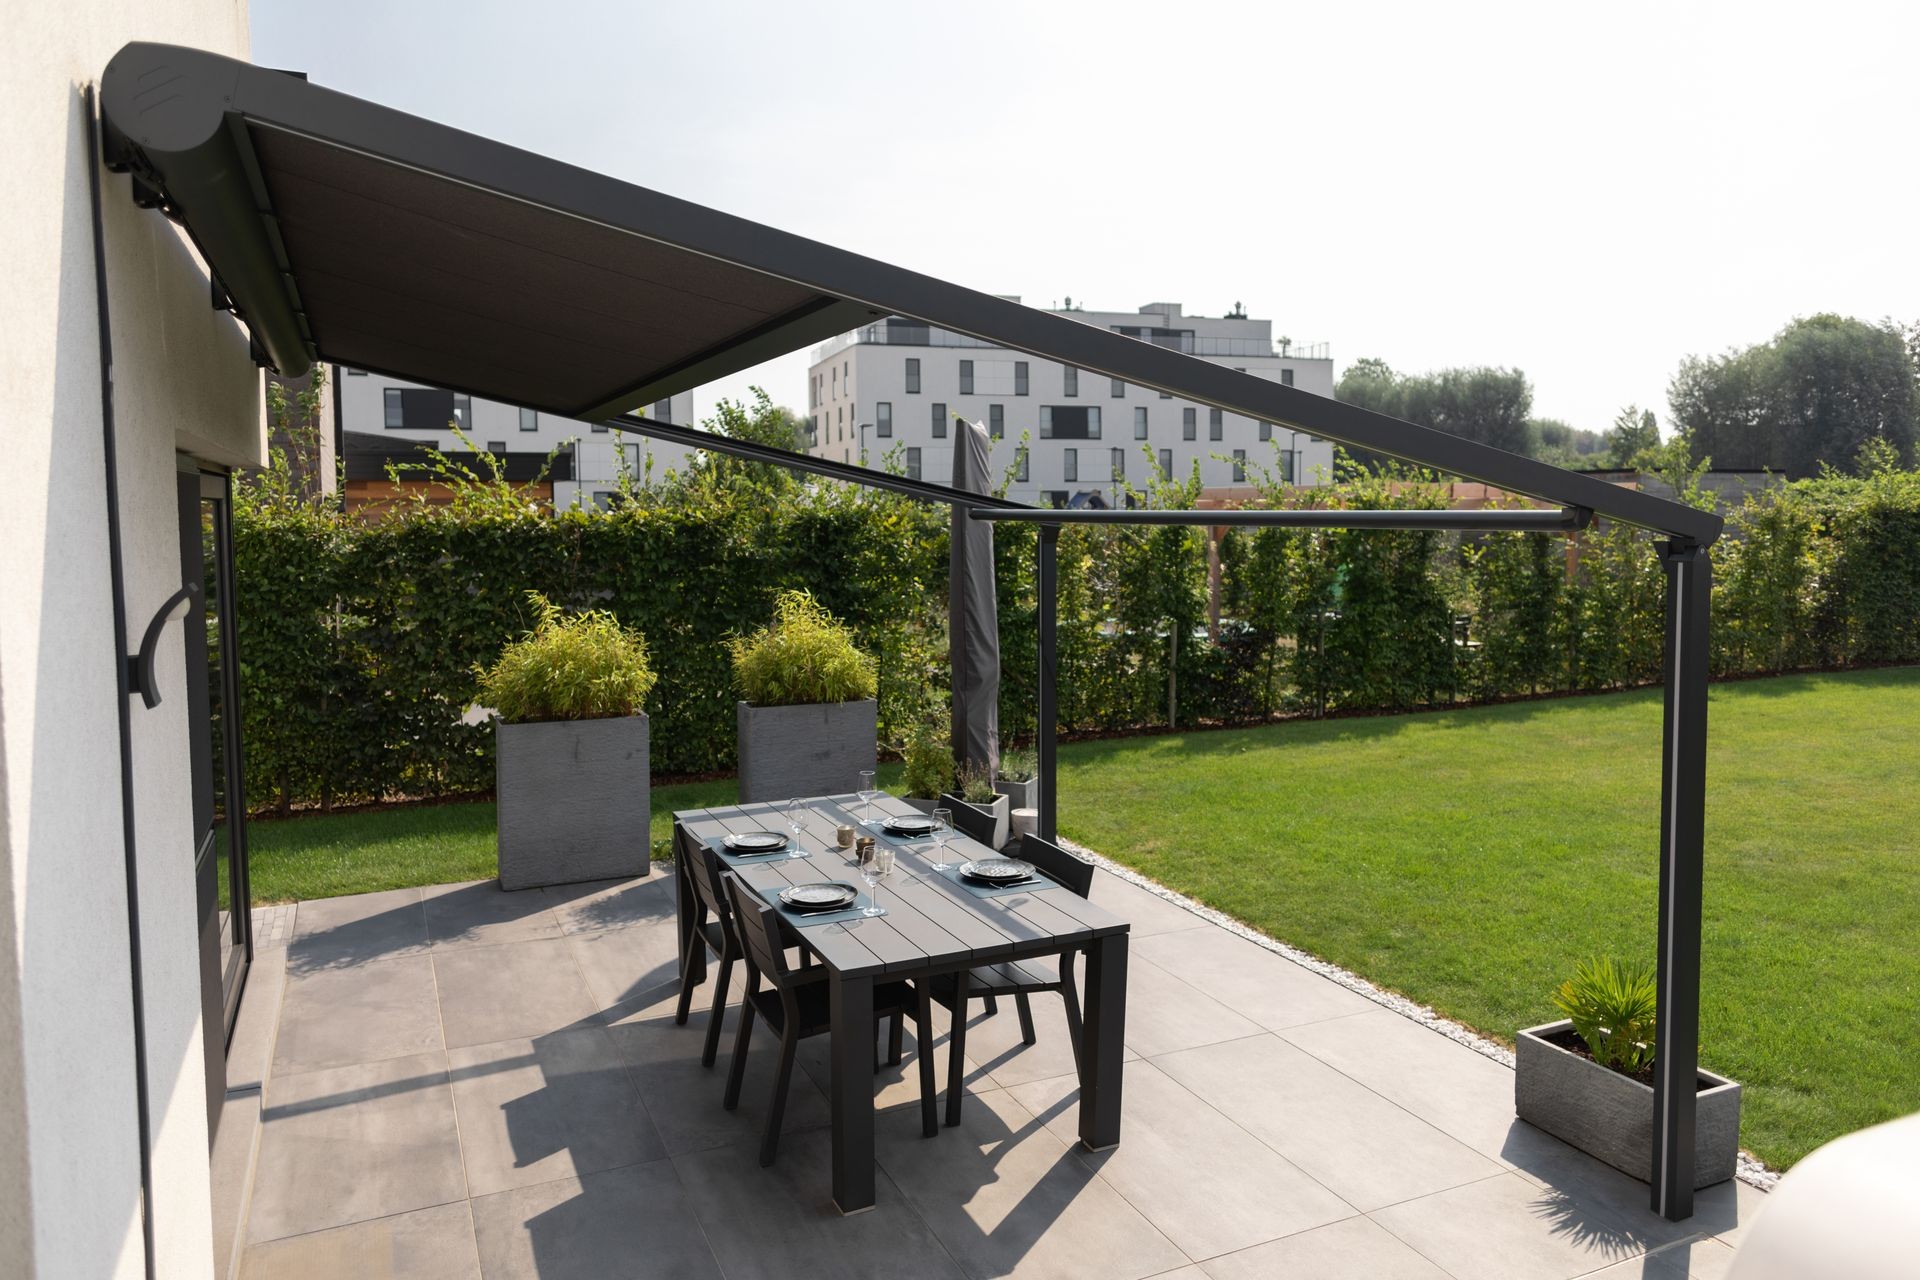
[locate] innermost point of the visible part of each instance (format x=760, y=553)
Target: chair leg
x=737, y=1069
x=957, y=1048
x=993, y=1006
x=687, y=983
x=777, y=1107
x=923, y=1050
x=896, y=1038
x=718, y=1014
x=1026, y=1017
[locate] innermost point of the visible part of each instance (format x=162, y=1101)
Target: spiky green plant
x=804, y=655
x=1018, y=764
x=581, y=666
x=1611, y=1005
x=976, y=783
x=928, y=756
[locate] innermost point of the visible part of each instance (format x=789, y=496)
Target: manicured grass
x=1469, y=859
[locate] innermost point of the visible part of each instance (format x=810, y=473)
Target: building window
x=600, y=428
x=913, y=462
x=1187, y=418
x=356, y=373
x=529, y=420
x=604, y=499
x=396, y=408
x=883, y=419
x=424, y=409
x=966, y=377
x=1069, y=382
x=1070, y=460
x=1019, y=377
x=1266, y=431
x=1069, y=422
x=1286, y=377
x=463, y=412
x=1166, y=395
x=1239, y=465
x=834, y=382
x=996, y=420
x=939, y=421
x=1020, y=464
x=1166, y=464
x=1286, y=465
x=1215, y=425
x=1117, y=389
x=913, y=376
x=662, y=411
x=496, y=446
x=1119, y=464
x=1139, y=422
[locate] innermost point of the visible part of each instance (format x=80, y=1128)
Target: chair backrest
x=707, y=869
x=974, y=824
x=1057, y=864
x=758, y=930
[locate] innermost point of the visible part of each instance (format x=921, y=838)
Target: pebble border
x=1750, y=1171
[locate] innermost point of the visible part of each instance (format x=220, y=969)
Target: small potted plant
x=929, y=772
x=977, y=792
x=807, y=716
x=1588, y=1078
x=570, y=749
x=1017, y=778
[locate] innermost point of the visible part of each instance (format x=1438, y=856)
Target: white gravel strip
x=1750, y=1171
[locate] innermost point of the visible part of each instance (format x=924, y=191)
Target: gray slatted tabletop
x=932, y=926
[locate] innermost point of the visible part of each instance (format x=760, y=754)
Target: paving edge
x=1750, y=1170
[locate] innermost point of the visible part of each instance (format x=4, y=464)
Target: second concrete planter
x=814, y=749
x=574, y=800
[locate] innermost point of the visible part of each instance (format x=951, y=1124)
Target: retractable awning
x=344, y=231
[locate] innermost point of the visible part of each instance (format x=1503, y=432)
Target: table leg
x=1103, y=1042
x=851, y=1093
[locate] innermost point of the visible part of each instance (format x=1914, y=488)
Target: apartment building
x=1062, y=436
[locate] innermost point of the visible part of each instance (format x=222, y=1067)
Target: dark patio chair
x=1017, y=978
x=795, y=1005
x=715, y=932
x=972, y=823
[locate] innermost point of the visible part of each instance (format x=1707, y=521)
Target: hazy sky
x=1586, y=195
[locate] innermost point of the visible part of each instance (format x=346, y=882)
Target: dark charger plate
x=829, y=895
x=997, y=870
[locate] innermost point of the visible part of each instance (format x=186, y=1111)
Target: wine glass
x=796, y=814
x=867, y=792
x=873, y=871
x=942, y=828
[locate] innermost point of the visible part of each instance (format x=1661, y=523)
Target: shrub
x=1018, y=764
x=929, y=760
x=804, y=655
x=976, y=784
x=582, y=666
x=1611, y=1006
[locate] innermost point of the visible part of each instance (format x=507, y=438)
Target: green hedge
x=359, y=640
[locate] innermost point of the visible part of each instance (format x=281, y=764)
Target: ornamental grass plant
x=805, y=655
x=1611, y=1005
x=579, y=666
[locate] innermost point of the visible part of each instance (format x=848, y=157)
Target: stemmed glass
x=942, y=828
x=867, y=792
x=796, y=814
x=875, y=869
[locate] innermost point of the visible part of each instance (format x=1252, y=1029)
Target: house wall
x=69, y=1173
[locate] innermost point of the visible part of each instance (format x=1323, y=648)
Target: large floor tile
x=1255, y=983
x=426, y=1244
x=625, y=966
x=481, y=913
x=513, y=990
x=333, y=932
x=635, y=1223
x=1145, y=913
x=1507, y=1228
x=352, y=1143
x=1365, y=1149
x=1353, y=1249
x=1165, y=1015
x=373, y=1010
x=1208, y=1184
x=779, y=1223
x=1008, y=1198
x=596, y=905
x=555, y=1106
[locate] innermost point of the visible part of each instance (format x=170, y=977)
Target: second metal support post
x=1046, y=588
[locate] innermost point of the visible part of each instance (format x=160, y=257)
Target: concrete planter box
x=814, y=749
x=573, y=800
x=1610, y=1116
x=1000, y=811
x=1020, y=795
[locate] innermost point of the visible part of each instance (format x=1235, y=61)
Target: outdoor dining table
x=934, y=925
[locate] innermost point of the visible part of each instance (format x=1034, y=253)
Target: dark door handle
x=140, y=672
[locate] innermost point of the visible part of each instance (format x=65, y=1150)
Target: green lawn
x=1469, y=858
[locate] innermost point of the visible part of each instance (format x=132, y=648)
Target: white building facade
x=375, y=404
x=1062, y=436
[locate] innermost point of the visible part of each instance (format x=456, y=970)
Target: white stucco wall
x=69, y=1179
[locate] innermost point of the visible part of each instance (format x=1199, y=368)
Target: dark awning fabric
x=345, y=231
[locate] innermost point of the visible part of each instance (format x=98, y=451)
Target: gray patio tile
x=481, y=913
x=556, y=1106
x=1652, y=1266
x=1008, y=1198
x=594, y=905
x=1211, y=1186
x=331, y=933
x=1351, y=1140
x=1255, y=983
x=1165, y=1014
x=1507, y=1228
x=426, y=1244
x=1355, y=1249
x=625, y=965
x=513, y=990
x=779, y=1223
x=1146, y=913
x=352, y=1143
x=374, y=1010
x=633, y=1222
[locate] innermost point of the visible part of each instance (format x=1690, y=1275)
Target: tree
x=1371, y=383
x=1566, y=446
x=1634, y=431
x=1820, y=390
x=1489, y=405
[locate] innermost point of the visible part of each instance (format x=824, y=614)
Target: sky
x=1587, y=194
